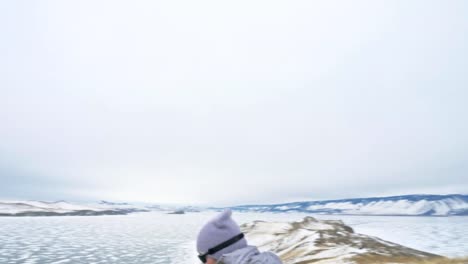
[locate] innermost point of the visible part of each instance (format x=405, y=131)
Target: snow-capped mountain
x=412, y=205
x=330, y=241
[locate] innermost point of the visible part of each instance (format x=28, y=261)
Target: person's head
x=221, y=235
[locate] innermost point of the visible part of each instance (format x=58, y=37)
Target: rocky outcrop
x=329, y=241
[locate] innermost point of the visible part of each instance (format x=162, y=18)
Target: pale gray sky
x=217, y=102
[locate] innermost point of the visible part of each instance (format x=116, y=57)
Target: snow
x=335, y=255
x=61, y=205
x=283, y=207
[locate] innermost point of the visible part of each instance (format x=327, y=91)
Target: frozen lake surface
x=163, y=238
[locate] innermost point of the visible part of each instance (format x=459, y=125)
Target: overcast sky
x=217, y=102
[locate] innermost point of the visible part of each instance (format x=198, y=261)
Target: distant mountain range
x=406, y=205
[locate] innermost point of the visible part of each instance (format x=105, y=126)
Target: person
x=220, y=241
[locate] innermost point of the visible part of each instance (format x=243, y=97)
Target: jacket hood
x=249, y=255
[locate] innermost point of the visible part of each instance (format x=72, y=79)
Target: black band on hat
x=225, y=244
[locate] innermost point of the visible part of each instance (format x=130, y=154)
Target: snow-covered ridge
x=329, y=241
x=64, y=208
x=412, y=205
x=41, y=208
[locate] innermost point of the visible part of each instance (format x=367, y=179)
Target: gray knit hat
x=219, y=229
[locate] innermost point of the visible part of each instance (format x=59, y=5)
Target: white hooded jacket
x=249, y=255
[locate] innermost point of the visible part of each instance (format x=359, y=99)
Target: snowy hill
x=413, y=205
x=63, y=208
x=330, y=241
x=40, y=208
